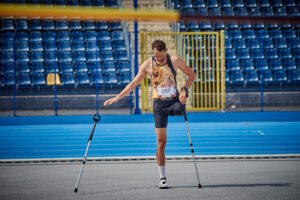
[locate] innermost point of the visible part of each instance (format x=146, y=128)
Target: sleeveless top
x=163, y=80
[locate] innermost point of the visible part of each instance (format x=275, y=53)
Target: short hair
x=159, y=45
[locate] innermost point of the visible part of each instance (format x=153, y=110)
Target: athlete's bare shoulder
x=146, y=66
x=176, y=61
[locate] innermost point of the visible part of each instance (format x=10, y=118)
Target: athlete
x=167, y=100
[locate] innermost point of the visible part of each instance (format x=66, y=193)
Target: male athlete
x=162, y=67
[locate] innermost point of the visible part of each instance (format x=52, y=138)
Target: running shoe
x=163, y=183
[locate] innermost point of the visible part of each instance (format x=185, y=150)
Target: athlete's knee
x=161, y=143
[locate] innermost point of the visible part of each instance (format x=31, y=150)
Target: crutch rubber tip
x=76, y=190
x=199, y=186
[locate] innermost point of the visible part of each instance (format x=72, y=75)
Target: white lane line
x=260, y=132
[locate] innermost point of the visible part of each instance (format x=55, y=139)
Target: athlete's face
x=160, y=56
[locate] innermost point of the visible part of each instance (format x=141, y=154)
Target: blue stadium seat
x=217, y=12
x=90, y=36
x=110, y=78
x=230, y=54
x=261, y=64
x=294, y=76
x=22, y=56
x=266, y=43
x=108, y=66
x=125, y=77
x=115, y=26
x=101, y=26
x=290, y=3
x=280, y=11
x=228, y=44
x=62, y=25
x=49, y=46
x=8, y=56
x=22, y=46
x=37, y=67
x=280, y=76
x=229, y=12
x=276, y=3
x=238, y=4
x=293, y=43
x=8, y=67
x=270, y=53
x=252, y=43
x=73, y=2
x=21, y=25
x=119, y=45
x=280, y=43
x=289, y=34
x=22, y=68
x=51, y=67
x=91, y=46
x=241, y=12
x=112, y=3
x=275, y=33
x=50, y=56
x=233, y=65
x=24, y=79
x=76, y=36
x=94, y=67
x=22, y=35
x=123, y=66
x=251, y=3
x=103, y=35
x=64, y=46
x=264, y=3
x=78, y=45
x=248, y=34
x=48, y=25
x=75, y=25
x=117, y=35
x=251, y=77
x=237, y=78
x=258, y=25
x=235, y=34
x=8, y=79
x=289, y=64
x=199, y=11
x=238, y=43
x=38, y=79
x=37, y=56
x=256, y=53
x=261, y=34
x=92, y=56
x=225, y=4
x=186, y=4
x=80, y=67
x=8, y=45
x=37, y=2
x=293, y=11
x=60, y=2
x=79, y=56
x=247, y=65
x=267, y=11
x=227, y=79
x=62, y=36
x=285, y=53
x=182, y=26
x=275, y=64
x=8, y=25
x=243, y=54
x=49, y=2
x=199, y=4
x=191, y=25
x=66, y=67
x=8, y=35
x=35, y=36
x=99, y=3
x=97, y=78
x=105, y=45
x=254, y=11
x=65, y=56
x=68, y=78
x=212, y=4
x=121, y=55
x=88, y=25
x=49, y=36
x=267, y=77
x=296, y=53
x=86, y=3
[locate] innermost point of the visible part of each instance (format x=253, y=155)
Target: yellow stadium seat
x=51, y=79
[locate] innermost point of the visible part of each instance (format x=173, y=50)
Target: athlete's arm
x=132, y=85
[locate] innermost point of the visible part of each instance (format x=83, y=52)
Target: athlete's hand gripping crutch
x=96, y=118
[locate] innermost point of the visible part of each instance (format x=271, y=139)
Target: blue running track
x=265, y=133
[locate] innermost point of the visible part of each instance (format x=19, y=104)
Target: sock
x=162, y=171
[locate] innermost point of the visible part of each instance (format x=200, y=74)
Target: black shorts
x=161, y=111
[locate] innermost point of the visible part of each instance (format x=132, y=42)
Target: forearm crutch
x=96, y=118
x=192, y=149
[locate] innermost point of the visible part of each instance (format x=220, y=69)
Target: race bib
x=166, y=91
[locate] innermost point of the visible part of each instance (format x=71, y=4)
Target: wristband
x=186, y=91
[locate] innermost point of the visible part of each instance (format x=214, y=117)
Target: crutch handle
x=96, y=117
